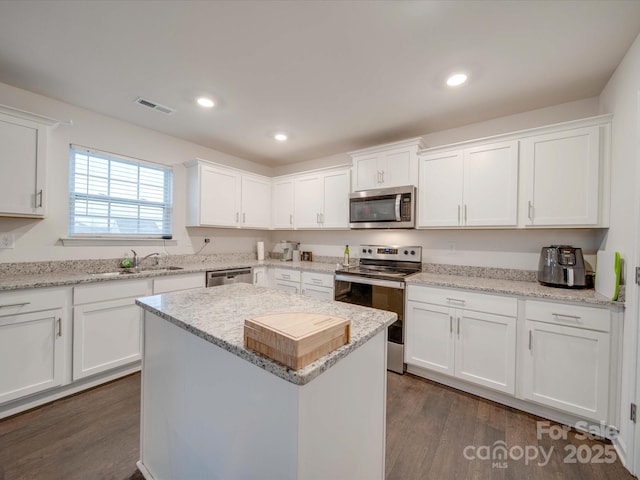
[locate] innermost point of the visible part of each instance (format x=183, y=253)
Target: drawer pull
x=530, y=340
x=457, y=300
x=317, y=281
x=59, y=321
x=562, y=315
x=8, y=305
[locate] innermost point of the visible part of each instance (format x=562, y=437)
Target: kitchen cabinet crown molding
x=409, y=142
x=521, y=134
x=32, y=117
x=332, y=168
x=199, y=161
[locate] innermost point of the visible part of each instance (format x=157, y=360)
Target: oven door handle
x=370, y=281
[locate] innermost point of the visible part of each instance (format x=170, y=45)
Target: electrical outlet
x=207, y=240
x=7, y=240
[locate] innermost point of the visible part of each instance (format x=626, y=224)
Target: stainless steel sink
x=133, y=271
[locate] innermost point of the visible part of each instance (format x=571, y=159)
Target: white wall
x=621, y=97
x=39, y=239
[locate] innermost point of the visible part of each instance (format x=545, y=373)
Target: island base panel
x=207, y=413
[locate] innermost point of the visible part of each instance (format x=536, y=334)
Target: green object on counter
x=616, y=269
x=126, y=263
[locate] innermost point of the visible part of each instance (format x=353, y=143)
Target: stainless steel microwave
x=383, y=208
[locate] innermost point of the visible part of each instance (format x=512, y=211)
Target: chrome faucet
x=137, y=260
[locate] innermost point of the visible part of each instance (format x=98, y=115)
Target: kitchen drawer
x=113, y=290
x=317, y=279
x=286, y=274
x=569, y=315
x=32, y=300
x=480, y=302
x=174, y=283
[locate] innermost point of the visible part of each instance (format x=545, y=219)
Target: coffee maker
x=563, y=266
x=287, y=248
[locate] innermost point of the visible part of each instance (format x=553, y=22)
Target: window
x=112, y=196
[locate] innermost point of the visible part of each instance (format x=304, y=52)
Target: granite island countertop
x=512, y=287
x=217, y=315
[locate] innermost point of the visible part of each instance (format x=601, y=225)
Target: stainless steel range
x=378, y=281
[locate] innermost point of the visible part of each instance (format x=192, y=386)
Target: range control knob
x=364, y=250
x=413, y=252
x=369, y=251
x=406, y=252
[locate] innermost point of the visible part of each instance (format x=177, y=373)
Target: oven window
x=378, y=209
x=383, y=298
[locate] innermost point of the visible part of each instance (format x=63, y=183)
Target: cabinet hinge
x=637, y=275
x=632, y=415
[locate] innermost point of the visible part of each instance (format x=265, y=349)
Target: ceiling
x=335, y=75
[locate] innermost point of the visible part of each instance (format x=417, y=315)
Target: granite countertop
x=217, y=315
x=16, y=281
x=511, y=287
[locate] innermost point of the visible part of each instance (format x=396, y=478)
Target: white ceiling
x=335, y=75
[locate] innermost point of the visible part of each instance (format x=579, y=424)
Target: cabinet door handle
x=531, y=341
x=382, y=174
x=530, y=210
x=59, y=321
x=465, y=213
x=39, y=198
x=8, y=305
x=458, y=327
x=244, y=217
x=450, y=323
x=237, y=217
x=562, y=315
x=291, y=219
x=458, y=214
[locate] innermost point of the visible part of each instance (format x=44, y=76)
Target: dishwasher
x=231, y=275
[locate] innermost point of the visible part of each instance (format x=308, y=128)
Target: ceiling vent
x=155, y=106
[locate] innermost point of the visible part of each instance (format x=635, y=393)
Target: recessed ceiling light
x=281, y=137
x=205, y=102
x=456, y=79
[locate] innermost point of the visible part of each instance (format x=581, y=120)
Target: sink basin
x=162, y=269
x=132, y=271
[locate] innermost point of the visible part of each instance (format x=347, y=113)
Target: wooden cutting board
x=296, y=339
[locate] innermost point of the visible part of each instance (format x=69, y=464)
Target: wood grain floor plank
x=95, y=435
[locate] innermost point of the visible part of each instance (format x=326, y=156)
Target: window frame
x=166, y=205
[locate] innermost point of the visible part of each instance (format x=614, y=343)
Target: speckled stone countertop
x=217, y=315
x=511, y=287
x=90, y=271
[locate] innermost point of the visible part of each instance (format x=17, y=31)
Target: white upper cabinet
x=552, y=176
x=23, y=138
x=321, y=200
x=561, y=177
x=224, y=197
x=256, y=202
x=469, y=187
x=282, y=203
x=390, y=165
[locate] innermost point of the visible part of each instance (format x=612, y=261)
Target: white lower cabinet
x=567, y=362
x=318, y=285
x=286, y=280
x=448, y=337
x=107, y=325
x=260, y=276
x=175, y=283
x=33, y=329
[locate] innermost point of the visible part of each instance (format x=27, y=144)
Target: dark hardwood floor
x=433, y=432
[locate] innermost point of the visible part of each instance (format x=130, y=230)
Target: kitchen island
x=212, y=408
